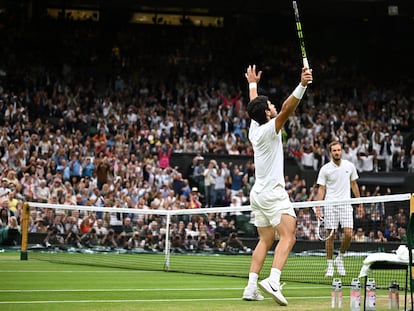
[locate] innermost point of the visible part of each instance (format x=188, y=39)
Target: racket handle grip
x=306, y=65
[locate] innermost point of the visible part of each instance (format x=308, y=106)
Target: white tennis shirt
x=268, y=155
x=337, y=179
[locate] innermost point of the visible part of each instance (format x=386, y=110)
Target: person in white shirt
x=210, y=175
x=335, y=181
x=271, y=207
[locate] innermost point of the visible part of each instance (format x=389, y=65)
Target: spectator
x=220, y=189
x=90, y=239
x=164, y=154
x=190, y=244
x=210, y=175
x=238, y=179
x=54, y=238
x=100, y=229
x=397, y=142
x=39, y=226
x=134, y=241
x=72, y=232
x=385, y=154
x=88, y=167
x=42, y=192
x=360, y=236
x=108, y=239
x=293, y=146
x=233, y=244
x=87, y=224
x=102, y=170
x=100, y=142
x=400, y=161
x=380, y=237
x=126, y=233
x=193, y=199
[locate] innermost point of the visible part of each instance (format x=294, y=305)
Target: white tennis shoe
x=329, y=272
x=275, y=290
x=252, y=294
x=340, y=266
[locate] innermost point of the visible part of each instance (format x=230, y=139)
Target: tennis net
x=217, y=241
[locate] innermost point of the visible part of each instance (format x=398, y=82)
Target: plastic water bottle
x=371, y=295
x=393, y=296
x=355, y=294
x=336, y=294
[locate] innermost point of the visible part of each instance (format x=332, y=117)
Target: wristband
x=252, y=85
x=299, y=91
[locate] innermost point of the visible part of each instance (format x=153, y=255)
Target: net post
x=25, y=233
x=411, y=204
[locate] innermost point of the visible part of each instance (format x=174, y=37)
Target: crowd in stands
x=88, y=121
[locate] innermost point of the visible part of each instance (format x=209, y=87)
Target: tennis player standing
x=336, y=179
x=271, y=208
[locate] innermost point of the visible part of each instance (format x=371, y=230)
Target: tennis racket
x=322, y=232
x=300, y=35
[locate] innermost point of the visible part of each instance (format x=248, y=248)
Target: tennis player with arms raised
x=335, y=181
x=272, y=210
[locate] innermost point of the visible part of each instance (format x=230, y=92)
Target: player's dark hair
x=256, y=109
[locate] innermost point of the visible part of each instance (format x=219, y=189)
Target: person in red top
x=87, y=224
x=100, y=142
x=164, y=155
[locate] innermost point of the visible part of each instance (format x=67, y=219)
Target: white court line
x=80, y=271
x=133, y=289
x=138, y=300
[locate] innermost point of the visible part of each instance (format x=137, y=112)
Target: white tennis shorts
x=269, y=206
x=338, y=214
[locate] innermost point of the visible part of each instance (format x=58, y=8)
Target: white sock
x=341, y=255
x=275, y=275
x=253, y=277
x=330, y=263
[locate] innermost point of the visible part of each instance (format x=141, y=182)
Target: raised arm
x=252, y=78
x=290, y=104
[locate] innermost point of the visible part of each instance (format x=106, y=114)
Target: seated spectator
x=11, y=234
x=203, y=243
x=39, y=226
x=5, y=214
x=72, y=232
x=190, y=243
x=90, y=239
x=233, y=243
x=87, y=223
x=54, y=238
x=100, y=229
x=126, y=233
x=360, y=236
x=400, y=161
x=109, y=239
x=134, y=241
x=380, y=237
x=371, y=236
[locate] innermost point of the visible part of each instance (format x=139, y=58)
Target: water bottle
x=393, y=296
x=355, y=294
x=336, y=295
x=371, y=295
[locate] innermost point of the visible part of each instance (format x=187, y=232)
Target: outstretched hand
x=251, y=74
